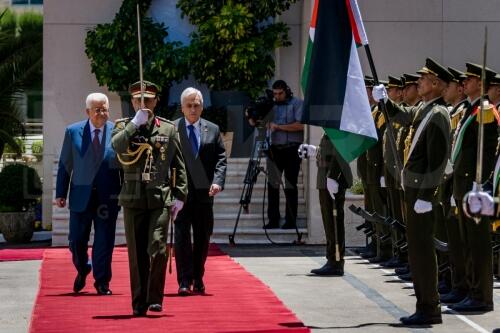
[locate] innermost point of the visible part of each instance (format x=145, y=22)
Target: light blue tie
x=193, y=140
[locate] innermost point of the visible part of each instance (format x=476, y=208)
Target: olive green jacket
x=163, y=137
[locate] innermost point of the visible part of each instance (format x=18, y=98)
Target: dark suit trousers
x=190, y=258
x=146, y=232
x=288, y=161
x=326, y=204
x=104, y=218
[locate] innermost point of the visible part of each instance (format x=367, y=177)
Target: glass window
x=27, y=2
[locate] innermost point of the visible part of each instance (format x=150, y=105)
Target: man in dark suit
x=89, y=170
x=205, y=159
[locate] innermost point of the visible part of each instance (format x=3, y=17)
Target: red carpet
x=21, y=254
x=236, y=301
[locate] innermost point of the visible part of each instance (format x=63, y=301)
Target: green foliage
x=21, y=187
x=21, y=50
x=19, y=148
x=37, y=147
x=357, y=187
x=114, y=54
x=233, y=46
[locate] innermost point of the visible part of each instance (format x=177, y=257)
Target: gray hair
x=190, y=91
x=96, y=97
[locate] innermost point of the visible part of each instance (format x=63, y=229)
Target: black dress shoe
x=394, y=262
x=328, y=270
x=406, y=277
x=198, y=287
x=471, y=305
x=79, y=283
x=102, y=289
x=140, y=311
x=184, y=289
x=288, y=226
x=402, y=270
x=454, y=296
x=419, y=318
x=271, y=225
x=443, y=287
x=368, y=254
x=155, y=307
x=376, y=260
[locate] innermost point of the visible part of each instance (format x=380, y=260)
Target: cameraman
x=287, y=133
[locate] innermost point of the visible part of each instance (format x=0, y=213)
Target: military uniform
x=425, y=157
x=446, y=214
x=148, y=155
x=476, y=237
x=332, y=165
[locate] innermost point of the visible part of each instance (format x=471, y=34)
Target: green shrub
x=37, y=147
x=21, y=187
x=357, y=187
x=13, y=150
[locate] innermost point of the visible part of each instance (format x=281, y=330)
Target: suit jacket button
x=416, y=181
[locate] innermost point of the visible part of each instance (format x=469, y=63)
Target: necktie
x=96, y=143
x=193, y=140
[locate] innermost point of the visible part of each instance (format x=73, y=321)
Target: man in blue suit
x=89, y=170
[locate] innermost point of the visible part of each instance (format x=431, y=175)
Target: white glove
x=422, y=206
x=452, y=202
x=306, y=151
x=474, y=202
x=481, y=202
x=332, y=187
x=379, y=93
x=141, y=117
x=382, y=181
x=176, y=208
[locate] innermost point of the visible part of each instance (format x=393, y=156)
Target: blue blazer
x=81, y=169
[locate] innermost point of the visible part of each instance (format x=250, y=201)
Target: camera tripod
x=260, y=147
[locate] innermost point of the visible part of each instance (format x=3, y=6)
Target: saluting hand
x=214, y=189
x=141, y=117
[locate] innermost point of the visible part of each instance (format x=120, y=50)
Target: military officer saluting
x=154, y=190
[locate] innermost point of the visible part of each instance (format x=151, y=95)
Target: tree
x=113, y=51
x=21, y=51
x=232, y=48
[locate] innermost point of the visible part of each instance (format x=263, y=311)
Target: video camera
x=260, y=108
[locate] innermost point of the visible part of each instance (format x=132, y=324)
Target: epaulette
x=490, y=115
x=165, y=120
x=122, y=119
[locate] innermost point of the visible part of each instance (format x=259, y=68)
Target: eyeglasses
x=101, y=110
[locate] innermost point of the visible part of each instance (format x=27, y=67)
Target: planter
x=17, y=227
x=235, y=103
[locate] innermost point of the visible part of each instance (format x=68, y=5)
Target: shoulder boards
x=122, y=119
x=164, y=120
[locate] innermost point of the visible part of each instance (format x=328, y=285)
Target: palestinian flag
x=332, y=79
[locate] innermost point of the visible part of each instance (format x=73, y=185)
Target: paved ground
x=366, y=299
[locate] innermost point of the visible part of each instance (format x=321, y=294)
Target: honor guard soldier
x=494, y=91
x=476, y=236
x=447, y=215
x=334, y=177
x=154, y=190
x=425, y=157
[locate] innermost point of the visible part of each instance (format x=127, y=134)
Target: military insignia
x=162, y=152
x=120, y=125
x=157, y=122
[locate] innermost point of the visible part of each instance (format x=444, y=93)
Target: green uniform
x=426, y=153
x=147, y=203
x=476, y=237
x=331, y=165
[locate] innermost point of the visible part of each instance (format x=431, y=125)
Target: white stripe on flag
x=359, y=22
x=356, y=112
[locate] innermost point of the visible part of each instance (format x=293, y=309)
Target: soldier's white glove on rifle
x=481, y=203
x=379, y=93
x=141, y=117
x=307, y=151
x=332, y=186
x=382, y=181
x=422, y=206
x=176, y=208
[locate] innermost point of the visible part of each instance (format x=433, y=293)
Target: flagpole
x=381, y=105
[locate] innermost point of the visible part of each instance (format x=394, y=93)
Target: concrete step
x=232, y=205
x=255, y=235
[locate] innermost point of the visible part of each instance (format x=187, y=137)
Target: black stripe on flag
x=326, y=84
